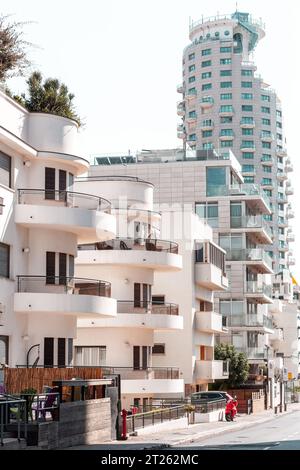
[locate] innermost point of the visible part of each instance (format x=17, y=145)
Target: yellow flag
x=295, y=283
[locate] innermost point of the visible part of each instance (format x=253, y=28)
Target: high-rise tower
x=226, y=104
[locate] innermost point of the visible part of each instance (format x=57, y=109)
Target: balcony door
x=142, y=295
x=140, y=357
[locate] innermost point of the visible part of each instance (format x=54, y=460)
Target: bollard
x=285, y=407
x=275, y=410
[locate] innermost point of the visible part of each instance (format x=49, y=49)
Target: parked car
x=210, y=396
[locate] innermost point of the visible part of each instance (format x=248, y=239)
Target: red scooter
x=231, y=409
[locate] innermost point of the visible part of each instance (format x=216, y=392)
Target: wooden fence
x=19, y=379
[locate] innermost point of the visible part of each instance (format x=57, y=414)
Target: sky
x=122, y=60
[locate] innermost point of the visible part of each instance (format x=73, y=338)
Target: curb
x=203, y=435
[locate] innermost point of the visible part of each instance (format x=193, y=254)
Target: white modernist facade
x=42, y=220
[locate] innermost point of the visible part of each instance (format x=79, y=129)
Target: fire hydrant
x=124, y=425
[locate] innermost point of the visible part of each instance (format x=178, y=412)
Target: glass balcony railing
x=255, y=221
x=239, y=190
x=249, y=254
x=250, y=320
x=253, y=287
x=253, y=353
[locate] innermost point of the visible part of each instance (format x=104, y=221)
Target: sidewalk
x=175, y=437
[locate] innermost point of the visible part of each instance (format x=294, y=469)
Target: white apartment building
x=226, y=104
x=158, y=291
x=42, y=221
x=212, y=185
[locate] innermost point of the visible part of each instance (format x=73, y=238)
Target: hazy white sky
x=122, y=59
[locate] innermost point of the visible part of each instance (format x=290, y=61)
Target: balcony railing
x=255, y=221
x=139, y=373
x=253, y=353
x=148, y=244
x=250, y=254
x=63, y=284
x=64, y=198
x=144, y=307
x=237, y=190
x=250, y=320
x=253, y=287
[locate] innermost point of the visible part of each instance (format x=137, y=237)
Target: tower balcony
x=282, y=176
x=206, y=102
x=253, y=224
x=289, y=166
x=247, y=124
x=259, y=292
x=61, y=295
x=251, y=322
x=290, y=237
x=267, y=137
x=291, y=261
x=140, y=252
x=290, y=214
x=181, y=108
x=180, y=88
x=88, y=216
x=190, y=95
x=267, y=161
x=281, y=152
x=207, y=125
x=255, y=257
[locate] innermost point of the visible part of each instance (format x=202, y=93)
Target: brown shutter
x=62, y=268
x=136, y=357
x=61, y=352
x=48, y=352
x=145, y=295
x=145, y=357
x=137, y=294
x=71, y=266
x=49, y=183
x=50, y=267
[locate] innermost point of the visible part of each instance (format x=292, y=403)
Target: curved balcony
x=180, y=88
x=267, y=161
x=180, y=108
x=140, y=314
x=226, y=137
x=282, y=176
x=210, y=322
x=88, y=216
x=290, y=237
x=267, y=137
x=247, y=124
x=190, y=95
x=152, y=218
x=191, y=119
x=149, y=380
x=289, y=190
x=149, y=253
x=207, y=125
x=63, y=295
x=289, y=167
x=206, y=102
x=281, y=152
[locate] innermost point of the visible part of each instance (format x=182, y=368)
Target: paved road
x=282, y=433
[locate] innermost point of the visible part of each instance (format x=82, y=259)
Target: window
x=206, y=75
x=206, y=52
x=226, y=132
x=247, y=96
x=4, y=345
x=279, y=124
x=192, y=91
x=192, y=137
x=50, y=267
x=192, y=114
x=268, y=192
x=61, y=352
x=265, y=98
x=279, y=136
x=49, y=183
x=208, y=211
x=247, y=131
x=267, y=169
x=248, y=155
x=225, y=61
x=265, y=109
x=209, y=253
x=249, y=179
x=247, y=120
x=266, y=145
x=208, y=146
x=248, y=168
x=266, y=122
x=206, y=63
x=4, y=260
x=247, y=73
x=247, y=108
x=159, y=348
x=206, y=86
x=192, y=68
x=215, y=181
x=225, y=49
x=226, y=84
x=226, y=96
x=246, y=84
x=226, y=143
x=233, y=241
x=48, y=352
x=225, y=73
x=90, y=355
x=192, y=56
x=62, y=184
x=5, y=169
x=267, y=181
x=70, y=351
x=226, y=120
x=266, y=134
x=207, y=122
x=226, y=108
x=206, y=134
x=247, y=144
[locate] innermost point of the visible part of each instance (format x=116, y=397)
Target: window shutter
x=49, y=183
x=71, y=266
x=48, y=352
x=62, y=268
x=50, y=267
x=5, y=169
x=145, y=357
x=136, y=357
x=4, y=260
x=70, y=351
x=61, y=352
x=62, y=184
x=137, y=294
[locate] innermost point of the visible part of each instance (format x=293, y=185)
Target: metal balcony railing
x=144, y=307
x=65, y=198
x=250, y=320
x=148, y=244
x=63, y=284
x=132, y=373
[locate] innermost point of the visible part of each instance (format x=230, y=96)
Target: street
x=283, y=433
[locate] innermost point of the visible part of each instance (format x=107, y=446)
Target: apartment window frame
x=5, y=260
x=5, y=170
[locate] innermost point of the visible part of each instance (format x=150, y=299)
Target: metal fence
x=149, y=418
x=13, y=411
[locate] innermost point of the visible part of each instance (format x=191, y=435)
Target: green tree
x=50, y=96
x=238, y=364
x=13, y=49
